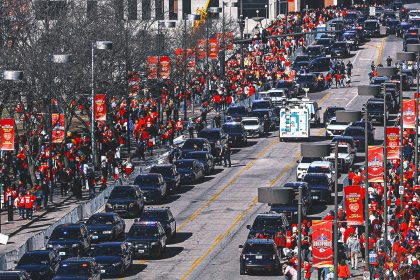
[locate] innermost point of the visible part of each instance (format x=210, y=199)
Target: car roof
x=185, y=160
x=375, y=100
x=320, y=163
x=316, y=175
x=154, y=175
x=270, y=215
x=77, y=260
x=113, y=243
x=38, y=252
x=69, y=226
x=342, y=138
x=211, y=129
x=231, y=123
x=104, y=214
x=294, y=185
x=163, y=165
x=196, y=140
x=259, y=241
x=157, y=209
x=197, y=152
x=146, y=223
x=355, y=128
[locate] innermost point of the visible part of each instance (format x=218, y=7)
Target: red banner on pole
x=354, y=205
x=165, y=67
x=152, y=67
x=100, y=107
x=57, y=124
x=179, y=55
x=409, y=114
x=393, y=142
x=213, y=48
x=191, y=64
x=322, y=244
x=134, y=82
x=375, y=164
x=201, y=48
x=7, y=134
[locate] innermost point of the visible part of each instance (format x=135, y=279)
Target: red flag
x=165, y=67
x=100, y=107
x=152, y=64
x=409, y=116
x=393, y=142
x=375, y=164
x=191, y=64
x=322, y=249
x=213, y=48
x=7, y=134
x=57, y=123
x=354, y=205
x=201, y=49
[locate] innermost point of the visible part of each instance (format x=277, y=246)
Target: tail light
x=274, y=256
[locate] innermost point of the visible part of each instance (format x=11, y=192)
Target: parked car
x=170, y=175
x=375, y=110
x=358, y=134
x=253, y=127
x=236, y=133
x=40, y=264
x=260, y=113
x=261, y=104
x=372, y=28
x=69, y=240
x=260, y=255
x=105, y=226
x=315, y=51
x=113, y=258
x=153, y=187
x=191, y=170
x=164, y=216
x=78, y=268
x=326, y=43
x=345, y=156
x=203, y=157
x=126, y=201
x=147, y=239
x=320, y=186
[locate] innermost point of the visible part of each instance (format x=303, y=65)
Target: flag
x=57, y=124
x=7, y=134
x=322, y=244
x=409, y=116
x=201, y=49
x=165, y=67
x=393, y=142
x=354, y=205
x=213, y=48
x=152, y=67
x=100, y=107
x=375, y=164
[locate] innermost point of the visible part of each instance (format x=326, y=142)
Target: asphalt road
x=212, y=215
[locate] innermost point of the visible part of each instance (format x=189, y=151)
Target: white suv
x=303, y=165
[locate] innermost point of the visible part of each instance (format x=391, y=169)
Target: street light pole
x=299, y=271
x=185, y=68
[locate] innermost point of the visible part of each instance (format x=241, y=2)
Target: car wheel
x=242, y=270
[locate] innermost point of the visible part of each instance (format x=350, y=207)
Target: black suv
x=375, y=111
x=170, y=175
x=330, y=113
x=269, y=224
x=204, y=157
x=41, y=264
x=290, y=205
x=14, y=275
x=164, y=216
x=147, y=239
x=340, y=49
x=127, y=201
x=236, y=133
x=78, y=269
x=214, y=135
x=315, y=51
x=196, y=144
x=308, y=80
x=105, y=227
x=260, y=255
x=320, y=186
x=70, y=240
x=153, y=187
x=113, y=258
x=236, y=113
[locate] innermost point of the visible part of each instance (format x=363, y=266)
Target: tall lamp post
x=402, y=56
x=415, y=48
x=210, y=12
x=307, y=150
x=367, y=90
x=388, y=72
x=98, y=45
x=56, y=59
x=14, y=76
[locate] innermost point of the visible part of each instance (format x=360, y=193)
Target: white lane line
x=357, y=55
x=365, y=59
x=351, y=100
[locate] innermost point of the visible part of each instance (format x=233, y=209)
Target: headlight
x=107, y=232
x=131, y=205
x=153, y=244
x=108, y=205
x=129, y=243
x=50, y=246
x=117, y=264
x=75, y=245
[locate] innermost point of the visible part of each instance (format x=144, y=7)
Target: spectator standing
x=354, y=247
x=20, y=203
x=190, y=127
x=29, y=204
x=343, y=271
x=45, y=192
x=226, y=155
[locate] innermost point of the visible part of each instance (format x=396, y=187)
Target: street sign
x=401, y=190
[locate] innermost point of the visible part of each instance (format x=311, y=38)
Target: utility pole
x=185, y=67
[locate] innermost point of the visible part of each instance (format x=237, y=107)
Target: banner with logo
x=354, y=205
x=409, y=116
x=213, y=48
x=179, y=55
x=191, y=63
x=57, y=124
x=375, y=164
x=393, y=142
x=322, y=244
x=134, y=82
x=201, y=48
x=165, y=67
x=7, y=134
x=100, y=107
x=152, y=67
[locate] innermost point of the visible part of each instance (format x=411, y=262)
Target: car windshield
x=165, y=171
x=73, y=269
x=340, y=45
x=324, y=42
x=192, y=145
x=142, y=231
x=183, y=164
x=146, y=180
x=261, y=105
x=65, y=234
x=309, y=159
x=354, y=132
x=124, y=192
x=316, y=180
x=100, y=220
x=108, y=250
x=255, y=122
x=416, y=23
x=34, y=259
x=236, y=111
x=155, y=216
x=258, y=249
x=318, y=169
x=212, y=135
x=232, y=128
x=343, y=150
x=371, y=25
x=267, y=223
x=199, y=156
x=305, y=78
x=335, y=122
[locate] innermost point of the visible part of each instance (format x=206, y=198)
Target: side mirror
x=248, y=226
x=241, y=246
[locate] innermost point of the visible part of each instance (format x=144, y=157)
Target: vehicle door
x=84, y=237
x=162, y=235
x=172, y=222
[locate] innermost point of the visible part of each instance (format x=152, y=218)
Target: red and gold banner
x=100, y=107
x=375, y=164
x=165, y=67
x=134, y=82
x=354, y=205
x=201, y=48
x=191, y=63
x=57, y=124
x=7, y=134
x=179, y=55
x=393, y=142
x=152, y=67
x=409, y=113
x=213, y=48
x=322, y=243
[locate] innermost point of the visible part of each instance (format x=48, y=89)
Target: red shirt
x=29, y=201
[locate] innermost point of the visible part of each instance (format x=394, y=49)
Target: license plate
x=315, y=197
x=141, y=251
x=62, y=253
x=95, y=237
x=258, y=257
x=102, y=270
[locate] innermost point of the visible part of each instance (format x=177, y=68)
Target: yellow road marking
x=381, y=50
x=231, y=182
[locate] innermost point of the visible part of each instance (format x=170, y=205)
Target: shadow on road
x=135, y=269
x=181, y=237
x=172, y=252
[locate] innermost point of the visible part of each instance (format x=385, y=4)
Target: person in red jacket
x=179, y=127
x=21, y=205
x=29, y=204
